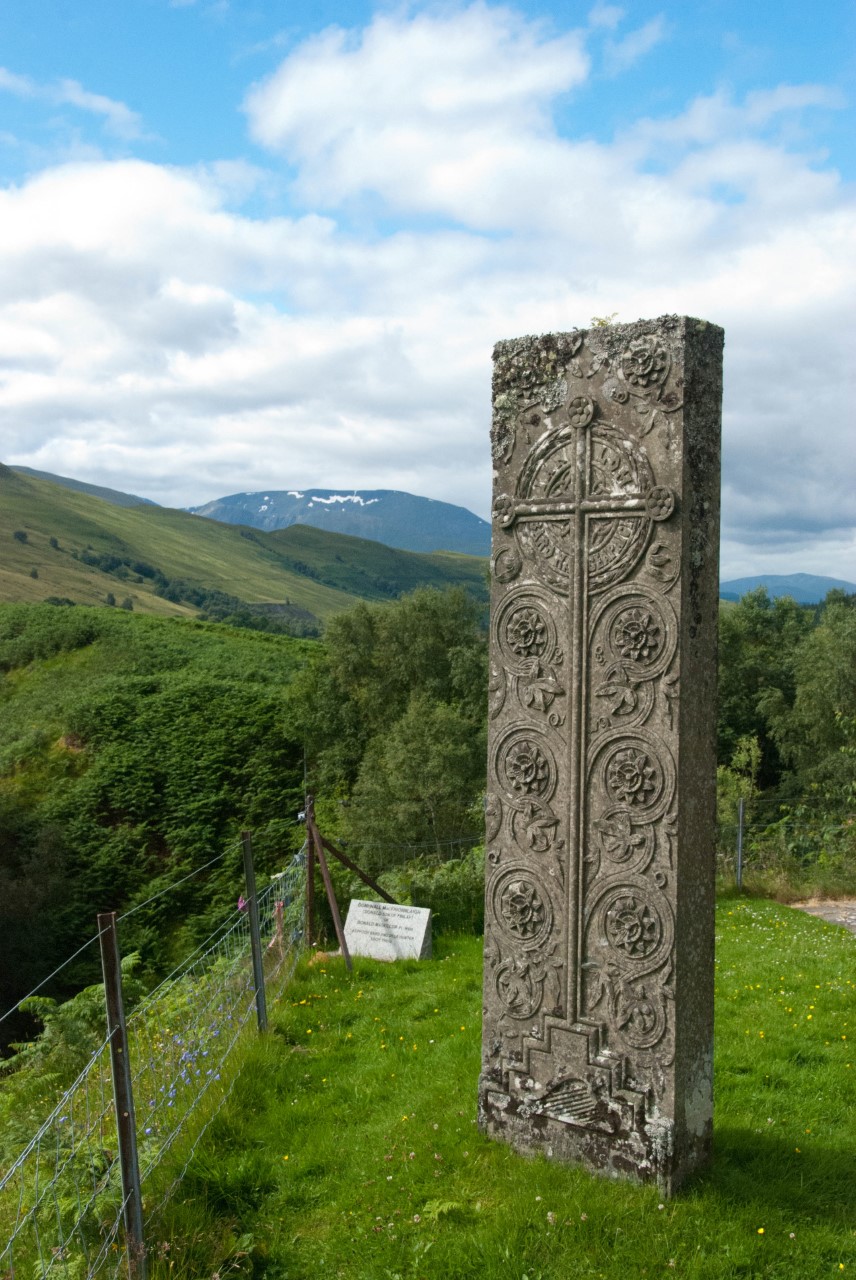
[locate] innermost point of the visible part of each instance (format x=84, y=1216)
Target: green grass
x=349, y=1147
x=325, y=573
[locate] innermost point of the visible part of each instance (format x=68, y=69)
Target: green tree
x=758, y=643
x=811, y=730
x=416, y=786
x=375, y=659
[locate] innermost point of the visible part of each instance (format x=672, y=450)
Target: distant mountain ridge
x=805, y=588
x=66, y=546
x=398, y=519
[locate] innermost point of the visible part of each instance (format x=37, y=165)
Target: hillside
x=132, y=748
x=401, y=520
x=805, y=588
x=57, y=543
x=116, y=496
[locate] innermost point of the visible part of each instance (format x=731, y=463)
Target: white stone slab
x=387, y=932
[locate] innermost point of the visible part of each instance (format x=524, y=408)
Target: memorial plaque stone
x=598, y=1003
x=386, y=931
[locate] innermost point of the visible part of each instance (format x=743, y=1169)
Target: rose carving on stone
x=645, y=363
x=632, y=927
x=636, y=635
x=631, y=777
x=527, y=768
x=526, y=633
x=522, y=909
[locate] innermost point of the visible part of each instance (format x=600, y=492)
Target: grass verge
x=349, y=1146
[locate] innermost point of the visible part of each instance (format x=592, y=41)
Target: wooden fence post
x=316, y=842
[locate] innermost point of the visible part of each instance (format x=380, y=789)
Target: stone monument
x=598, y=1005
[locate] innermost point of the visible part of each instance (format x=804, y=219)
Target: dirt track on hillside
x=841, y=911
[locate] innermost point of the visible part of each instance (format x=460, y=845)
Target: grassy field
x=322, y=572
x=349, y=1148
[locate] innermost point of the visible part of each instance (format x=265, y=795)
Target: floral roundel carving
x=637, y=635
x=580, y=411
x=522, y=907
x=640, y=632
x=635, y=773
x=632, y=922
x=633, y=777
x=632, y=925
x=525, y=767
x=525, y=631
x=645, y=363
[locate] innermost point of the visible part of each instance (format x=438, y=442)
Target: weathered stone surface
x=598, y=1003
x=386, y=931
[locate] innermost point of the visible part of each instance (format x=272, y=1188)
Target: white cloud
x=424, y=111
x=20, y=86
x=605, y=15
x=622, y=54
x=118, y=119
x=154, y=339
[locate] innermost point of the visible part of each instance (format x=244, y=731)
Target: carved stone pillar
x=598, y=1005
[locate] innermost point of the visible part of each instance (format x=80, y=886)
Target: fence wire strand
x=61, y=1204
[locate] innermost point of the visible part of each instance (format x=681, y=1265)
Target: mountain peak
x=389, y=516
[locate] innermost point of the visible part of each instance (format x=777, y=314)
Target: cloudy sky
x=247, y=245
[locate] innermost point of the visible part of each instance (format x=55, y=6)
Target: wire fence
x=61, y=1201
x=802, y=835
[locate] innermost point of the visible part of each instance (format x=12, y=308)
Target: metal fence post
x=740, y=803
x=255, y=933
x=123, y=1097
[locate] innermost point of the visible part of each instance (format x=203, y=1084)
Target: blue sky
x=250, y=245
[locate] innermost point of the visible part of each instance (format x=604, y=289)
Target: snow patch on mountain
x=345, y=497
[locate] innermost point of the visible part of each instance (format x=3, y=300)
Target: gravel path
x=841, y=912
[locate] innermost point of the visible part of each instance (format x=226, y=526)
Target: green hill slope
x=58, y=543
x=115, y=496
x=132, y=750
